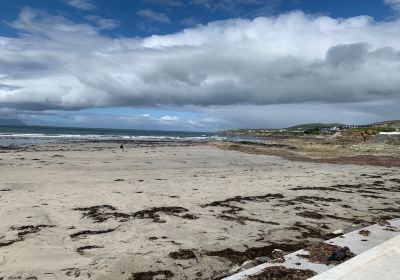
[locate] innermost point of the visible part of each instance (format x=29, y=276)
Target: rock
x=235, y=269
x=261, y=260
x=248, y=264
x=277, y=254
x=337, y=232
x=340, y=254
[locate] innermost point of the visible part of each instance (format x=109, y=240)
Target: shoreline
x=295, y=152
x=288, y=148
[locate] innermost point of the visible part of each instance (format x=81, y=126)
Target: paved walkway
x=378, y=256
x=381, y=262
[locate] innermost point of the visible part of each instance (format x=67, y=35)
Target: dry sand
x=92, y=211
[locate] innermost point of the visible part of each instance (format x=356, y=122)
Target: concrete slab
x=381, y=262
x=358, y=244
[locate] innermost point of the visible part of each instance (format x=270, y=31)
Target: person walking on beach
x=121, y=147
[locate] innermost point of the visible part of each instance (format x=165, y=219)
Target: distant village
x=387, y=127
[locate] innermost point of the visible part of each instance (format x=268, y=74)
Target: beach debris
x=152, y=275
x=22, y=233
x=268, y=145
x=392, y=228
x=283, y=273
x=81, y=250
x=25, y=230
x=231, y=213
x=154, y=213
x=310, y=214
x=338, y=232
x=364, y=232
x=73, y=271
x=84, y=233
x=243, y=199
x=235, y=269
x=248, y=264
x=189, y=217
x=395, y=180
x=244, y=266
x=373, y=196
x=382, y=221
x=325, y=253
x=310, y=231
x=182, y=254
x=340, y=254
x=101, y=213
x=260, y=260
x=238, y=257
x=243, y=219
x=277, y=254
x=307, y=199
x=378, y=182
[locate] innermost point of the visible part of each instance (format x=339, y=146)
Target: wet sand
x=172, y=211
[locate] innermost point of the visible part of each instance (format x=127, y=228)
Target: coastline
x=319, y=150
x=191, y=210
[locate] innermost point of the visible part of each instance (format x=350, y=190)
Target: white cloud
x=85, y=5
x=395, y=4
x=290, y=59
x=168, y=118
x=154, y=16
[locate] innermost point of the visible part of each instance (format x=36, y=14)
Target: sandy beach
x=172, y=210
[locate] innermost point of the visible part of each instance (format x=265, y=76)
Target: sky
x=199, y=65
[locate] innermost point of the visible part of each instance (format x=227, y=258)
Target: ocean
x=20, y=135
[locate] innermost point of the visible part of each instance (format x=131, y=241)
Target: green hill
x=314, y=125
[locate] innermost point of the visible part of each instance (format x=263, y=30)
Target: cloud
x=278, y=116
x=154, y=16
x=289, y=59
x=103, y=23
x=394, y=4
x=85, y=5
x=90, y=119
x=169, y=118
x=37, y=23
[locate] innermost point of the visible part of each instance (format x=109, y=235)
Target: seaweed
x=84, y=233
x=182, y=255
x=150, y=275
x=283, y=273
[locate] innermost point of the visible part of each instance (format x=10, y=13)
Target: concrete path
x=376, y=252
x=381, y=262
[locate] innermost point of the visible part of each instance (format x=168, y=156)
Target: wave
x=112, y=137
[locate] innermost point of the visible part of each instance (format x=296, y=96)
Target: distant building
x=390, y=133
